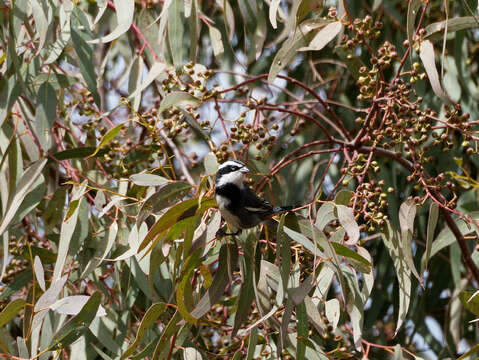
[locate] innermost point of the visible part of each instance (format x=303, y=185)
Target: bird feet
x=221, y=232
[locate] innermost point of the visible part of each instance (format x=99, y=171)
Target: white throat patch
x=235, y=177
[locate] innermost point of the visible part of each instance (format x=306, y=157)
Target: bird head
x=231, y=171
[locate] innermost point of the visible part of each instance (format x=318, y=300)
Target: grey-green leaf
x=22, y=189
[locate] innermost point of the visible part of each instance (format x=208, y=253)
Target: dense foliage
x=114, y=115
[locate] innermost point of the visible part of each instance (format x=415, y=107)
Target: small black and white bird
x=239, y=205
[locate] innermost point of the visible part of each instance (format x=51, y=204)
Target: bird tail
x=281, y=209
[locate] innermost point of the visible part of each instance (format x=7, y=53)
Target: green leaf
x=302, y=329
x=286, y=54
x=165, y=338
x=53, y=212
x=76, y=326
x=39, y=272
x=431, y=226
x=134, y=81
x=76, y=153
x=109, y=136
x=148, y=180
x=166, y=196
x=153, y=313
x=324, y=36
x=347, y=221
x=343, y=197
x=326, y=214
x=273, y=10
x=175, y=32
x=45, y=114
x=253, y=340
x=157, y=69
x=227, y=263
x=41, y=21
x=179, y=99
x=55, y=49
x=216, y=42
x=22, y=189
x=332, y=311
x=194, y=29
x=176, y=213
x=403, y=272
x=18, y=283
x=426, y=53
x=183, y=291
x=211, y=163
x=453, y=24
x=46, y=256
x=67, y=229
x=246, y=292
x=470, y=301
x=407, y=213
x=447, y=238
x=283, y=255
x=84, y=55
x=11, y=310
x=71, y=305
x=413, y=7
x=124, y=11
x=342, y=250
x=49, y=297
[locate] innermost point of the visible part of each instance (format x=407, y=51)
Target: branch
x=466, y=256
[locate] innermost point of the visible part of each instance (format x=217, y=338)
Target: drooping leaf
x=285, y=55
x=403, y=272
x=179, y=99
x=412, y=9
x=216, y=42
x=148, y=179
x=431, y=226
x=407, y=213
x=124, y=11
x=39, y=272
x=426, y=53
x=21, y=191
x=45, y=114
x=67, y=229
x=134, y=81
x=77, y=325
x=342, y=250
x=246, y=294
x=11, y=310
x=183, y=291
x=109, y=136
x=453, y=24
x=348, y=222
x=323, y=37
x=273, y=10
x=84, y=53
x=175, y=32
x=41, y=14
x=153, y=312
x=333, y=312
x=178, y=212
x=49, y=297
x=227, y=263
x=71, y=305
x=326, y=214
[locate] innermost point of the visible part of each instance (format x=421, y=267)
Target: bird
x=239, y=205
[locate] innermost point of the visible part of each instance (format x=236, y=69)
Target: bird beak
x=244, y=169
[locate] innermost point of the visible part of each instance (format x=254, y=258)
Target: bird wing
x=254, y=203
